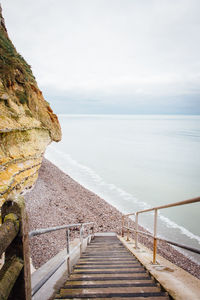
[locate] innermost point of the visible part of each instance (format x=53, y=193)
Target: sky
x=111, y=56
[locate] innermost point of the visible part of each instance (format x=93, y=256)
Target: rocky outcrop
x=27, y=123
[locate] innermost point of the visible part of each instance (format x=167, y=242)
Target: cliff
x=27, y=123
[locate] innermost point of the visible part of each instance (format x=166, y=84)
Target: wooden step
x=117, y=298
x=111, y=281
x=98, y=277
x=107, y=283
x=108, y=291
x=117, y=263
x=116, y=275
x=107, y=267
x=108, y=259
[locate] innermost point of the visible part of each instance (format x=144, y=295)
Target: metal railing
x=154, y=235
x=40, y=231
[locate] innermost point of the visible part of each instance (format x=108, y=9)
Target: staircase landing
x=108, y=270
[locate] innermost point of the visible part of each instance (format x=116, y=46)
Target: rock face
x=27, y=123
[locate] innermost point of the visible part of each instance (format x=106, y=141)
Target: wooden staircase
x=108, y=270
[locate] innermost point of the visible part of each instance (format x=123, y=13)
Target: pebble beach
x=57, y=199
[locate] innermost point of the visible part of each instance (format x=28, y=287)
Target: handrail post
x=81, y=239
x=136, y=231
x=92, y=234
x=128, y=232
x=67, y=240
x=123, y=226
x=155, y=236
x=68, y=250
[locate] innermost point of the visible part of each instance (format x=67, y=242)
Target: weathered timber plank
x=8, y=231
x=149, y=291
x=8, y=276
x=74, y=277
x=108, y=281
x=115, y=298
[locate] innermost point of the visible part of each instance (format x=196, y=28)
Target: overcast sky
x=111, y=56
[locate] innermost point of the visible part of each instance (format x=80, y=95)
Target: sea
x=136, y=162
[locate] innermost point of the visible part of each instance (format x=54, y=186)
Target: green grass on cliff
x=13, y=67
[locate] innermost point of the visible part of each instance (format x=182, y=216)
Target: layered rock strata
x=27, y=123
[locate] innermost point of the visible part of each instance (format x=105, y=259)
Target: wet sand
x=57, y=200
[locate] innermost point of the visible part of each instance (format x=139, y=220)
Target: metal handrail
x=195, y=250
x=193, y=200
x=50, y=229
x=154, y=236
x=67, y=257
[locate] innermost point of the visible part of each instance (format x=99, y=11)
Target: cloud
x=98, y=49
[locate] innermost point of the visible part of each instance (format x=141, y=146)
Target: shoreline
x=57, y=199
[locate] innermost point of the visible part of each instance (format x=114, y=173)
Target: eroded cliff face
x=27, y=123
